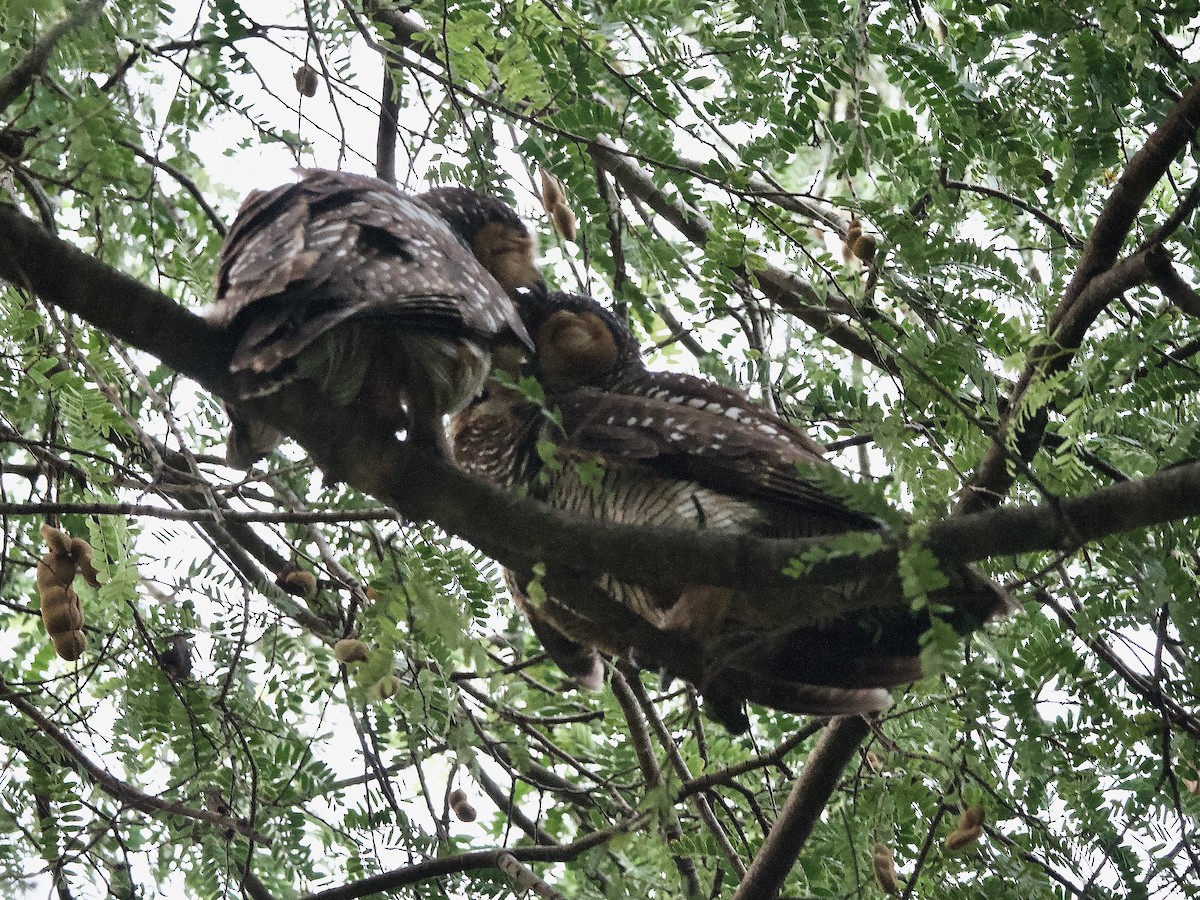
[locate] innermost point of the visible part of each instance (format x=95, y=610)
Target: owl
x=636, y=446
x=390, y=305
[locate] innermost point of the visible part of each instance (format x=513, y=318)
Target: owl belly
x=631, y=495
x=406, y=379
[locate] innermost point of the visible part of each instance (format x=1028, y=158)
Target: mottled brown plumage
x=657, y=448
x=389, y=304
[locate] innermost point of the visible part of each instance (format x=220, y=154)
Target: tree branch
x=1041, y=215
x=519, y=532
x=120, y=790
x=473, y=861
x=196, y=515
x=809, y=795
x=793, y=294
x=16, y=80
x=1098, y=279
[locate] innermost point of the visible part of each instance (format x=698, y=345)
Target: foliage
x=979, y=142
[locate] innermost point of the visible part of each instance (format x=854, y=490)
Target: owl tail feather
x=723, y=702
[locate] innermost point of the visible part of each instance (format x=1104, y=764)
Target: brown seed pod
x=972, y=817
x=555, y=203
x=853, y=233
x=69, y=644
x=885, y=869
x=308, y=80
x=865, y=247
x=463, y=810
x=81, y=550
x=297, y=582
x=383, y=688
x=349, y=650
x=62, y=613
x=564, y=222
x=961, y=838
x=552, y=192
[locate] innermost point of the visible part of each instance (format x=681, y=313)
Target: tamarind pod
x=972, y=817
x=961, y=838
x=349, y=650
x=462, y=806
x=61, y=611
x=81, y=552
x=69, y=644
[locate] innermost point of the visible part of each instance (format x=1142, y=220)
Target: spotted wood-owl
x=389, y=304
x=638, y=446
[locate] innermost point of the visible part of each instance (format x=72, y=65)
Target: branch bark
x=803, y=807
x=792, y=293
x=471, y=862
x=16, y=80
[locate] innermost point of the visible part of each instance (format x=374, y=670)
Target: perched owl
x=389, y=304
x=642, y=447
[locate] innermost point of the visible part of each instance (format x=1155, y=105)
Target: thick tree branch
x=120, y=790
x=1098, y=280
x=639, y=736
x=1041, y=215
x=518, y=532
x=196, y=515
x=1172, y=285
x=809, y=795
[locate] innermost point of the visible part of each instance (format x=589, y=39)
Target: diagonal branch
x=473, y=861
x=1098, y=280
x=793, y=294
x=804, y=804
x=120, y=790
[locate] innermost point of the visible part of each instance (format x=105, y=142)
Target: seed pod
x=865, y=247
x=853, y=233
x=297, y=582
x=972, y=817
x=461, y=806
x=885, y=869
x=552, y=192
x=307, y=80
x=62, y=613
x=70, y=644
x=564, y=222
x=383, y=688
x=555, y=203
x=961, y=838
x=349, y=650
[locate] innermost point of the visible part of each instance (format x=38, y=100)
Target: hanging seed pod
x=463, y=810
x=308, y=80
x=555, y=203
x=349, y=650
x=885, y=869
x=62, y=612
x=297, y=582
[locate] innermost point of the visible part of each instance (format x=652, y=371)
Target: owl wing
x=715, y=437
